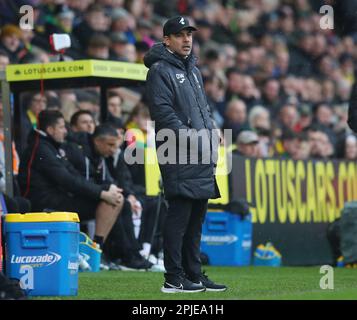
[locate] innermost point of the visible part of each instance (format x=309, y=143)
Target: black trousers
x=182, y=237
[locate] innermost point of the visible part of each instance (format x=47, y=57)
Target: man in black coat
x=177, y=102
x=90, y=155
x=51, y=182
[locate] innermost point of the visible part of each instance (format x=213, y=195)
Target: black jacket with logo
x=51, y=175
x=176, y=100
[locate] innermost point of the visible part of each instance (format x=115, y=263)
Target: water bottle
x=83, y=264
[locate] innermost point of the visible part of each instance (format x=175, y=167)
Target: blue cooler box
x=227, y=239
x=42, y=252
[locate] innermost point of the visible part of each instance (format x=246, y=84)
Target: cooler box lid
x=42, y=217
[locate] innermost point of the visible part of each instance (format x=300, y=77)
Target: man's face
x=85, y=123
x=98, y=52
x=114, y=106
x=11, y=42
x=106, y=145
x=180, y=43
x=249, y=149
x=58, y=131
x=38, y=103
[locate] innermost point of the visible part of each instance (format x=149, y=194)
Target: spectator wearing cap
x=305, y=117
x=247, y=144
x=123, y=21
x=143, y=32
x=98, y=47
x=11, y=42
x=119, y=43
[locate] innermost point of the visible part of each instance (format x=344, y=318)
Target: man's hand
x=136, y=207
x=113, y=196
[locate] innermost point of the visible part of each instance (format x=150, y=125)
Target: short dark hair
x=75, y=116
x=104, y=130
x=48, y=118
x=112, y=94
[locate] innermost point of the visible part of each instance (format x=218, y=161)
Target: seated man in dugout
x=88, y=154
x=51, y=182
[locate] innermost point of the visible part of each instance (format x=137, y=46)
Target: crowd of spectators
x=268, y=66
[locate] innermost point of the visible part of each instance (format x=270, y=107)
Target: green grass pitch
x=245, y=283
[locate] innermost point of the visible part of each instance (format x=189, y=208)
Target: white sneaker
x=157, y=268
x=144, y=254
x=152, y=259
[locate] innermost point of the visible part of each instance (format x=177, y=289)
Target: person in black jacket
x=51, y=182
x=89, y=153
x=177, y=102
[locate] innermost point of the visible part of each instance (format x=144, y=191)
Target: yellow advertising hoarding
x=74, y=69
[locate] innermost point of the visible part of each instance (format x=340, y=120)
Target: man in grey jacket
x=177, y=102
